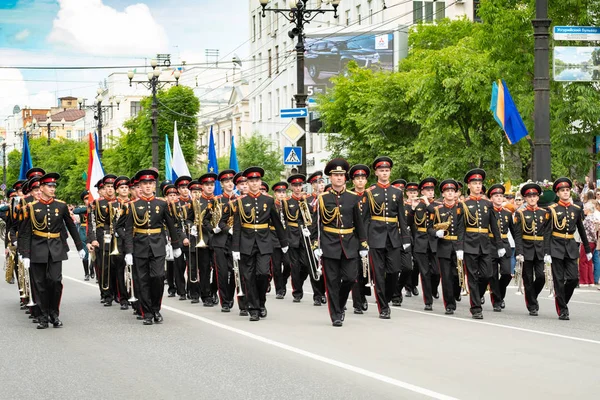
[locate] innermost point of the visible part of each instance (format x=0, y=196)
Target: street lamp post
x=48, y=122
x=541, y=89
x=153, y=84
x=299, y=15
x=98, y=109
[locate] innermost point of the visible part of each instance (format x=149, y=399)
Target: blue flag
x=26, y=163
x=213, y=165
x=168, y=167
x=233, y=163
x=506, y=114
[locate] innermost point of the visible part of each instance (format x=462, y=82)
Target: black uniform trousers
x=137, y=305
x=501, y=277
x=225, y=283
x=151, y=283
x=534, y=280
x=179, y=267
x=280, y=266
x=339, y=276
x=193, y=288
x=255, y=268
x=429, y=269
x=117, y=264
x=204, y=267
x=479, y=272
x=170, y=277
x=106, y=276
x=449, y=277
x=360, y=289
x=47, y=280
x=385, y=267
x=413, y=281
x=300, y=271
x=406, y=273
x=565, y=274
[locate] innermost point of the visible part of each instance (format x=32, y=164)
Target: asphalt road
x=104, y=353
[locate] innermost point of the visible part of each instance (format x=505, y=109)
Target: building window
x=259, y=66
x=428, y=11
x=260, y=108
x=276, y=59
x=424, y=11
x=259, y=27
x=270, y=109
x=417, y=12
x=270, y=64
x=440, y=10
x=80, y=134
x=277, y=102
x=476, y=17
x=254, y=28
x=136, y=107
x=358, y=17
x=347, y=17
x=371, y=16
x=285, y=97
x=68, y=134
x=276, y=19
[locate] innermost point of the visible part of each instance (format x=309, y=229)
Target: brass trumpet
x=129, y=283
x=519, y=276
x=444, y=226
x=314, y=267
x=549, y=279
x=367, y=270
x=238, y=279
x=461, y=277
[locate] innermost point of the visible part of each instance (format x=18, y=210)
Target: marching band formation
x=224, y=249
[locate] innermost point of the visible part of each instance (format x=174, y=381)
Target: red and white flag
x=95, y=171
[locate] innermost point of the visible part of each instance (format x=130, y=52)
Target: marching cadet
x=280, y=263
x=241, y=183
x=387, y=233
x=264, y=188
x=406, y=255
x=44, y=250
x=532, y=232
x=341, y=238
x=425, y=245
x=412, y=200
x=170, y=195
x=82, y=213
x=567, y=218
x=144, y=240
x=448, y=227
x=101, y=239
x=359, y=174
x=252, y=245
x=180, y=211
x=480, y=220
x=318, y=187
x=501, y=269
x=191, y=253
x=205, y=206
x=298, y=221
x=221, y=241
x=121, y=185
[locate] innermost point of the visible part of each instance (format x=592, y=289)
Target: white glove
x=194, y=230
x=305, y=232
x=547, y=259
x=501, y=252
x=460, y=255
x=116, y=234
x=406, y=246
x=439, y=233
x=588, y=256
x=82, y=254
x=26, y=262
x=216, y=229
x=128, y=259
x=236, y=255
x=318, y=253
x=520, y=258
x=285, y=249
x=177, y=253
x=230, y=231
x=363, y=253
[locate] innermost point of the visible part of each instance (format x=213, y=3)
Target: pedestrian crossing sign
x=292, y=155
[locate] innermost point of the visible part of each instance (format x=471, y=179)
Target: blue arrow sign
x=292, y=155
x=293, y=112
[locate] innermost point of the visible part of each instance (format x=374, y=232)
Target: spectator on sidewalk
x=586, y=268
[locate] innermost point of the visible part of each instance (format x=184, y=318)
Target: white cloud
x=24, y=34
x=91, y=27
x=13, y=90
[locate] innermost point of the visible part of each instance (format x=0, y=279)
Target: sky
x=105, y=32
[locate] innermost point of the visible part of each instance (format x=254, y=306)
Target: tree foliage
x=256, y=151
x=432, y=114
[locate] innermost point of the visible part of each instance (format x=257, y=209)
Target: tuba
x=198, y=218
x=10, y=265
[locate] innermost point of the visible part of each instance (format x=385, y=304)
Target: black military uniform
x=479, y=247
x=280, y=262
x=532, y=230
x=118, y=260
x=180, y=211
x=425, y=245
x=82, y=213
x=387, y=234
x=566, y=218
x=406, y=259
x=144, y=239
x=253, y=244
x=44, y=250
x=221, y=245
x=412, y=283
x=301, y=256
x=170, y=262
x=341, y=236
x=104, y=213
x=501, y=268
x=362, y=287
x=449, y=244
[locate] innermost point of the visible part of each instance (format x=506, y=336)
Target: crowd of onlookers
x=589, y=195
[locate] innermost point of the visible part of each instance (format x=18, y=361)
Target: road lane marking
x=296, y=350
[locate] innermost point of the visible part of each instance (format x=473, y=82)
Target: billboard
x=576, y=64
x=327, y=56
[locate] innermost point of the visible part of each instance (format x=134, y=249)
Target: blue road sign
x=293, y=112
x=292, y=155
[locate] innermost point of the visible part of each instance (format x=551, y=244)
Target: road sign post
x=292, y=156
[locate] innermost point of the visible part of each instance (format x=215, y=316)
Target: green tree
x=256, y=151
x=133, y=149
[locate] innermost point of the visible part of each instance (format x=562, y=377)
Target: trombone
x=549, y=279
x=129, y=283
x=462, y=282
x=367, y=270
x=238, y=279
x=314, y=267
x=27, y=280
x=519, y=276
